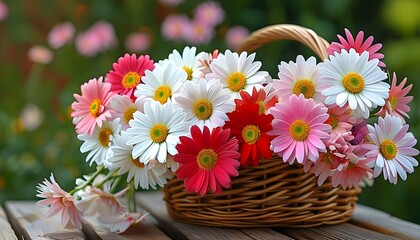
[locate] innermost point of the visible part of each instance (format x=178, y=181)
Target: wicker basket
x=274, y=193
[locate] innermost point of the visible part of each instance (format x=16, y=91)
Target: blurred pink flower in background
x=98, y=38
x=3, y=11
x=61, y=34
x=198, y=33
x=235, y=35
x=173, y=27
x=171, y=3
x=209, y=13
x=40, y=54
x=137, y=42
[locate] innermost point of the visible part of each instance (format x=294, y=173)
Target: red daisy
x=207, y=160
x=128, y=72
x=250, y=128
x=260, y=97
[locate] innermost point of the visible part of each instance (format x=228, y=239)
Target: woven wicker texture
x=274, y=193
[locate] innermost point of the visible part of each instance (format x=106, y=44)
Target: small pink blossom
x=235, y=35
x=40, y=54
x=98, y=38
x=4, y=10
x=198, y=33
x=173, y=27
x=61, y=34
x=95, y=200
x=209, y=13
x=120, y=223
x=341, y=122
x=138, y=42
x=60, y=202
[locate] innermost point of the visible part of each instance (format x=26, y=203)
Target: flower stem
x=89, y=181
x=107, y=177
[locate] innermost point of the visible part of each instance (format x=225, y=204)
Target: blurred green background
x=32, y=147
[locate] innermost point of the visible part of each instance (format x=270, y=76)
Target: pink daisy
x=91, y=108
x=323, y=166
x=209, y=13
x=198, y=33
x=138, y=42
x=127, y=73
x=358, y=45
x=341, y=122
x=3, y=11
x=60, y=202
x=351, y=173
x=235, y=35
x=299, y=126
x=173, y=27
x=397, y=102
x=87, y=44
x=207, y=160
x=61, y=34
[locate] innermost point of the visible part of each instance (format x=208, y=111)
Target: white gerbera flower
x=205, y=103
x=392, y=148
x=122, y=107
x=144, y=175
x=297, y=78
x=352, y=78
x=156, y=132
x=99, y=142
x=189, y=62
x=159, y=84
x=238, y=72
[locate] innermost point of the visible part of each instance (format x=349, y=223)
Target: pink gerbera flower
x=341, y=122
x=128, y=72
x=208, y=160
x=60, y=202
x=209, y=13
x=358, y=45
x=397, y=102
x=299, y=126
x=351, y=173
x=91, y=108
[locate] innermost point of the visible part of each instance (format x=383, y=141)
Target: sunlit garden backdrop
x=38, y=75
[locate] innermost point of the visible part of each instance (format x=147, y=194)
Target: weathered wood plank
x=379, y=221
x=153, y=202
x=29, y=222
x=6, y=231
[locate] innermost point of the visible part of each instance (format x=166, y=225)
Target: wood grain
x=6, y=231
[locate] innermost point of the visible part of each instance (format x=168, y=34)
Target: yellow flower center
x=393, y=102
x=299, y=130
x=189, y=72
x=95, y=107
x=162, y=94
x=128, y=114
x=261, y=104
x=236, y=81
x=304, y=86
x=158, y=133
x=203, y=109
x=130, y=80
x=251, y=134
x=388, y=149
x=138, y=163
x=353, y=83
x=332, y=121
x=104, y=137
x=207, y=159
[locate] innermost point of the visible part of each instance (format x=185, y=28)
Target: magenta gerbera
x=299, y=128
x=358, y=45
x=207, y=160
x=128, y=72
x=91, y=108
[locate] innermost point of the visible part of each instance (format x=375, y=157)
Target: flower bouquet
x=230, y=145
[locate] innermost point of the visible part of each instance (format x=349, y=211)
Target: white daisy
x=238, y=72
x=205, y=103
x=99, y=142
x=159, y=84
x=299, y=78
x=151, y=174
x=189, y=62
x=352, y=78
x=156, y=132
x=392, y=148
x=122, y=107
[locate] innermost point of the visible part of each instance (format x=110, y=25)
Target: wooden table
x=27, y=221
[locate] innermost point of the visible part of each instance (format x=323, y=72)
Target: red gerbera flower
x=128, y=72
x=207, y=160
x=260, y=97
x=250, y=128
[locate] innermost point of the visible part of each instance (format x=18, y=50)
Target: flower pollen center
x=104, y=137
x=203, y=109
x=388, y=149
x=130, y=80
x=236, y=82
x=251, y=134
x=138, y=163
x=158, y=133
x=332, y=121
x=304, y=86
x=299, y=130
x=353, y=82
x=128, y=114
x=393, y=102
x=189, y=72
x=207, y=159
x=261, y=104
x=162, y=94
x=95, y=107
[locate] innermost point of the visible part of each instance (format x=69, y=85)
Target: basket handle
x=297, y=33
